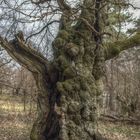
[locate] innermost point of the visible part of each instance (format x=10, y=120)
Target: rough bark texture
x=77, y=87
x=78, y=62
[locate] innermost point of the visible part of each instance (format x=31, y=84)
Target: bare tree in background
x=121, y=93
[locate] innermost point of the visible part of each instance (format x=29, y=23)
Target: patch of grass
x=119, y=131
x=15, y=123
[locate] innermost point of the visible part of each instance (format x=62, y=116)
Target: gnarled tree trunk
x=74, y=79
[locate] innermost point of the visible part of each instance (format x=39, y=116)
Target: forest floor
x=15, y=120
x=119, y=131
x=15, y=124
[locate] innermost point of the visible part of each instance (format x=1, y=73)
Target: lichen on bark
x=79, y=63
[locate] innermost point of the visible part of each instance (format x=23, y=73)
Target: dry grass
x=15, y=124
x=119, y=131
x=14, y=129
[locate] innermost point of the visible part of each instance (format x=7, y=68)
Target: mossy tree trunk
x=69, y=86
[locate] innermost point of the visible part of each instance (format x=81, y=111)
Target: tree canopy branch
x=113, y=49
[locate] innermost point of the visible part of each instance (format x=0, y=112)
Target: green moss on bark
x=113, y=49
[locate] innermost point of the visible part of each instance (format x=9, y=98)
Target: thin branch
x=48, y=24
x=63, y=6
x=39, y=1
x=5, y=63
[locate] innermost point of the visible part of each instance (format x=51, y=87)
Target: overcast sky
x=137, y=4
x=136, y=13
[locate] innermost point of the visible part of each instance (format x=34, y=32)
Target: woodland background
x=119, y=103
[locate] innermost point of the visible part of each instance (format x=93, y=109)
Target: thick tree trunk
x=73, y=95
x=74, y=86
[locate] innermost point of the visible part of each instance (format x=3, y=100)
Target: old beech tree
x=69, y=85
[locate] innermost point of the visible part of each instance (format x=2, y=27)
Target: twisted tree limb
x=24, y=54
x=113, y=49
